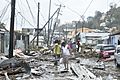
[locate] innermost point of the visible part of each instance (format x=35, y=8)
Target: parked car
x=106, y=51
x=117, y=56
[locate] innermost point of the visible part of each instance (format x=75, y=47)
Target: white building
x=94, y=38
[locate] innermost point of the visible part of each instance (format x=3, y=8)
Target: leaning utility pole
x=55, y=22
x=45, y=24
x=12, y=29
x=38, y=24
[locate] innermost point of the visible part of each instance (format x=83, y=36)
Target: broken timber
x=11, y=72
x=83, y=73
x=14, y=62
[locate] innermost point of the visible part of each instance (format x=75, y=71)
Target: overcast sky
x=72, y=10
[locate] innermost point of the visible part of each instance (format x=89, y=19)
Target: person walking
x=78, y=45
x=65, y=55
x=57, y=51
x=74, y=48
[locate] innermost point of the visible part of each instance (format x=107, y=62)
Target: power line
x=76, y=11
x=71, y=10
x=4, y=12
x=30, y=11
x=22, y=16
x=35, y=2
x=36, y=5
x=46, y=23
x=43, y=17
x=87, y=7
x=25, y=18
x=20, y=5
x=40, y=12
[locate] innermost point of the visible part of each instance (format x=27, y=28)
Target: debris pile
x=87, y=52
x=39, y=65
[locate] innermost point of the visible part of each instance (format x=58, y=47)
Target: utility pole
x=12, y=28
x=83, y=23
x=66, y=31
x=76, y=24
x=82, y=26
x=45, y=24
x=55, y=22
x=49, y=23
x=38, y=24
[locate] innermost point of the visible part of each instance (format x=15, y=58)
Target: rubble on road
x=87, y=51
x=19, y=53
x=99, y=65
x=39, y=65
x=83, y=73
x=13, y=63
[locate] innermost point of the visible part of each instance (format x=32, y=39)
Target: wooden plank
x=83, y=73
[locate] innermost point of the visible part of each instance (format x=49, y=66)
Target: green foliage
x=111, y=19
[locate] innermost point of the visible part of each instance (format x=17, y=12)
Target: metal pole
x=82, y=26
x=38, y=25
x=49, y=22
x=83, y=23
x=12, y=28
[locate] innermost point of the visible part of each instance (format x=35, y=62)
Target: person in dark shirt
x=78, y=45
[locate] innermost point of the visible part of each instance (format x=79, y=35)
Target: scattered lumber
x=82, y=72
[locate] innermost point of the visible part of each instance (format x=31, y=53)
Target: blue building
x=114, y=38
